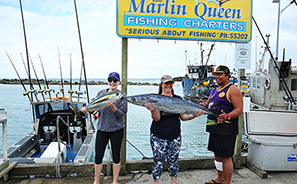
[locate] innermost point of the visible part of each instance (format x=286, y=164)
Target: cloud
x=52, y=24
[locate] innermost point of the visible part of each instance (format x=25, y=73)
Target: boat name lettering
x=201, y=9
x=158, y=7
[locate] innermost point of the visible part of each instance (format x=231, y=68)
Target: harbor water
x=194, y=136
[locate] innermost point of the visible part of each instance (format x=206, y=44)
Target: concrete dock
x=195, y=176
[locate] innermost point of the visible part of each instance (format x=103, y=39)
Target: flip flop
x=213, y=182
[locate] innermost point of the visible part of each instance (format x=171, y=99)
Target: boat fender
x=219, y=165
x=267, y=83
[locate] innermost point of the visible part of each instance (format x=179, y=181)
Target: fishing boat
x=270, y=124
x=61, y=133
x=199, y=80
x=275, y=88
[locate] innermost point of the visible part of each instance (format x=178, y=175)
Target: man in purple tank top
x=223, y=134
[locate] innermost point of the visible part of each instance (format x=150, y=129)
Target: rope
x=143, y=157
x=245, y=147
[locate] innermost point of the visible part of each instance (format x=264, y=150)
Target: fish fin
x=121, y=95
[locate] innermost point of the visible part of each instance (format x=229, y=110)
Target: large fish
x=168, y=104
x=100, y=102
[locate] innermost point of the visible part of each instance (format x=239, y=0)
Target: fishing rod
x=282, y=81
x=24, y=64
x=47, y=90
x=25, y=93
x=62, y=89
x=82, y=53
x=70, y=91
x=79, y=92
x=40, y=88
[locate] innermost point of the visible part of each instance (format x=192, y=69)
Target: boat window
x=258, y=83
x=294, y=84
x=254, y=82
x=49, y=107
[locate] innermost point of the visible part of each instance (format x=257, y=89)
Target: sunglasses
x=112, y=79
x=169, y=83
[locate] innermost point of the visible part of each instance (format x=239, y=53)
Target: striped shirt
x=109, y=121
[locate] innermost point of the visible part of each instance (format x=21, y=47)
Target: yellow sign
x=208, y=20
x=244, y=88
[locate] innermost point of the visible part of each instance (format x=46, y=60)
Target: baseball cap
x=166, y=78
x=222, y=69
x=115, y=75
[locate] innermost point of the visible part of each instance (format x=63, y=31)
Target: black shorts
x=221, y=145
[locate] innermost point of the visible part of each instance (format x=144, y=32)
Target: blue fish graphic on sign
x=218, y=2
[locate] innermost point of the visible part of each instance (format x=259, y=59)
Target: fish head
x=100, y=102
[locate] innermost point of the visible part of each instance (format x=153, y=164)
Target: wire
x=143, y=157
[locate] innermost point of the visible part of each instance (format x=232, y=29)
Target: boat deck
x=195, y=176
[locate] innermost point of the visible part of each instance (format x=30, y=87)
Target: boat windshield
x=51, y=107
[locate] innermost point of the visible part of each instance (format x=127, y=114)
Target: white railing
x=3, y=120
x=58, y=173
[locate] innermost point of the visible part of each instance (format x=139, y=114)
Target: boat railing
x=59, y=118
x=3, y=120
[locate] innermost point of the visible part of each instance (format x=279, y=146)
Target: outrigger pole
x=282, y=82
x=207, y=60
x=27, y=54
x=82, y=53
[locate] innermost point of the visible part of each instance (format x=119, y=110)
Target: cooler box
x=273, y=138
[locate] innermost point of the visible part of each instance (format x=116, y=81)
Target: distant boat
x=199, y=80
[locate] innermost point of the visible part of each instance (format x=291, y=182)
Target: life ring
x=267, y=83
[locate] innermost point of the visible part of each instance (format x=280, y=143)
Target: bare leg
x=156, y=181
x=173, y=180
x=98, y=168
x=221, y=177
x=116, y=170
x=227, y=169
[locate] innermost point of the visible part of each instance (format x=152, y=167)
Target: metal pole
x=3, y=120
x=186, y=54
x=124, y=89
x=241, y=73
x=277, y=34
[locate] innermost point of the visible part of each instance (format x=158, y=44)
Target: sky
x=51, y=31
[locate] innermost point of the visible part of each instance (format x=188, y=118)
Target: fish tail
x=217, y=115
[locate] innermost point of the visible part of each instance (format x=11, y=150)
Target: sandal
x=213, y=182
